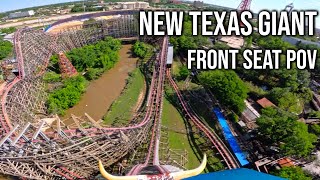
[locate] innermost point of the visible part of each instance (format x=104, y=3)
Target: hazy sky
x=256, y=5
x=7, y=5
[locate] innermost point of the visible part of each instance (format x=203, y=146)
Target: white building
x=21, y=14
x=133, y=5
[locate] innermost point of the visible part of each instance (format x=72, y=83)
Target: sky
x=256, y=5
x=8, y=5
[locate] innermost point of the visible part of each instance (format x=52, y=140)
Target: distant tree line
x=88, y=7
x=8, y=30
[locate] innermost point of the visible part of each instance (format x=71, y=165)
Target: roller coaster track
x=214, y=139
x=71, y=153
x=33, y=148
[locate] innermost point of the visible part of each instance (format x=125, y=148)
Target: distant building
x=198, y=4
x=264, y=102
x=295, y=41
x=134, y=5
x=233, y=41
x=250, y=115
x=285, y=162
x=154, y=1
x=21, y=14
x=9, y=37
x=169, y=56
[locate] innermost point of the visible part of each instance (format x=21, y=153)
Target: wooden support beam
x=59, y=130
x=74, y=118
x=20, y=134
x=94, y=123
x=7, y=137
x=35, y=135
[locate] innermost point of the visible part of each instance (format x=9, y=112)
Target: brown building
x=264, y=102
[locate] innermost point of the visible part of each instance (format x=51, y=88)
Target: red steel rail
x=214, y=139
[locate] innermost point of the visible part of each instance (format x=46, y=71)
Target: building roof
x=264, y=102
x=170, y=54
x=235, y=174
x=295, y=41
x=233, y=41
x=285, y=162
x=249, y=115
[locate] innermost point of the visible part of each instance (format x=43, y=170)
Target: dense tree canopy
x=315, y=129
x=228, y=88
x=187, y=41
x=183, y=72
x=67, y=96
x=103, y=54
x=51, y=77
x=88, y=7
x=274, y=42
x=8, y=30
x=292, y=173
x=286, y=100
x=140, y=49
x=5, y=49
x=279, y=127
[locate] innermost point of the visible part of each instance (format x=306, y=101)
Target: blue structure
x=235, y=174
x=230, y=138
x=47, y=28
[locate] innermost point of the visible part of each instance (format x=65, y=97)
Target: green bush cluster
x=66, y=97
x=283, y=128
x=103, y=55
x=140, y=49
x=51, y=77
x=228, y=88
x=5, y=49
x=8, y=30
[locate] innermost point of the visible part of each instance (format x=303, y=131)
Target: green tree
x=187, y=41
x=93, y=73
x=5, y=49
x=280, y=127
x=315, y=128
x=140, y=49
x=67, y=96
x=51, y=77
x=8, y=30
x=275, y=125
x=248, y=41
x=227, y=87
x=103, y=55
x=183, y=72
x=300, y=143
x=286, y=100
x=292, y=173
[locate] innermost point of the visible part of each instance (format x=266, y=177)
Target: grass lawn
x=123, y=108
x=175, y=67
x=172, y=119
